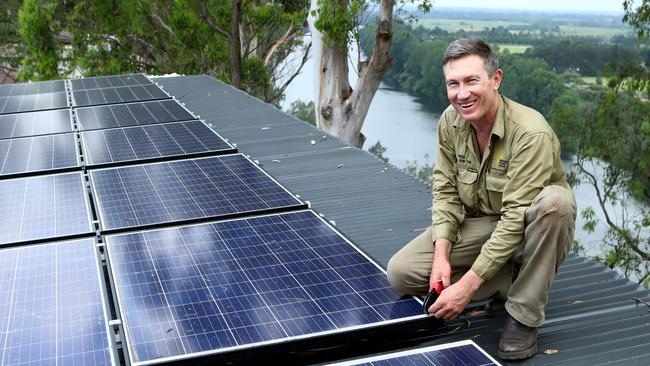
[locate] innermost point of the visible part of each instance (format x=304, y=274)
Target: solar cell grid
x=32, y=88
x=463, y=353
x=109, y=81
x=150, y=142
x=33, y=102
x=52, y=307
x=183, y=190
x=231, y=284
x=117, y=95
x=41, y=153
x=35, y=123
x=43, y=207
x=132, y=114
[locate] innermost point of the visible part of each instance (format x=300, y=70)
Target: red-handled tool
x=432, y=296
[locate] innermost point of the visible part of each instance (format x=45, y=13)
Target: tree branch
x=205, y=15
x=284, y=86
x=277, y=44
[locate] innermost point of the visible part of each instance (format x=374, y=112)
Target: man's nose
x=463, y=92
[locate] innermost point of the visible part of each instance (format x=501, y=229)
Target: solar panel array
x=249, y=268
x=463, y=353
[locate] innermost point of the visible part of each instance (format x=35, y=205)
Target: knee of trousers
x=402, y=276
x=554, y=203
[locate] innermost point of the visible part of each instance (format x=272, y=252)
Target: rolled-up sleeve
x=446, y=211
x=530, y=170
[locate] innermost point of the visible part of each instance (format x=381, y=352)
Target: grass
x=454, y=25
x=513, y=48
x=570, y=30
x=594, y=80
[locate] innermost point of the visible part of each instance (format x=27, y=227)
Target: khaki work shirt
x=521, y=158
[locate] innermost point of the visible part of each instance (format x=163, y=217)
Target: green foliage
x=638, y=16
x=303, y=111
x=424, y=171
x=161, y=36
x=11, y=49
x=38, y=26
x=378, y=150
x=338, y=20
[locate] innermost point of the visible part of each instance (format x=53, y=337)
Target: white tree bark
x=340, y=109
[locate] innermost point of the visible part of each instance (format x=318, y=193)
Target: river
x=408, y=132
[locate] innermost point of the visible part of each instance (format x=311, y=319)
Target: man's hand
x=440, y=268
x=453, y=300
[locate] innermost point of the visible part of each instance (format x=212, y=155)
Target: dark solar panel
x=52, y=307
x=183, y=190
x=117, y=95
x=233, y=284
x=150, y=142
x=43, y=207
x=32, y=88
x=463, y=353
x=35, y=123
x=40, y=153
x=132, y=114
x=109, y=81
x=33, y=102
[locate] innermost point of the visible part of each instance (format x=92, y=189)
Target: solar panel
x=151, y=142
x=109, y=81
x=117, y=95
x=33, y=102
x=43, y=207
x=218, y=287
x=132, y=114
x=35, y=123
x=166, y=192
x=32, y=88
x=40, y=153
x=52, y=306
x=463, y=353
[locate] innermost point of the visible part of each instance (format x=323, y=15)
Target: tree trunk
x=235, y=45
x=342, y=110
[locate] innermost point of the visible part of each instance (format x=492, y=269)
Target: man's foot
x=495, y=307
x=518, y=341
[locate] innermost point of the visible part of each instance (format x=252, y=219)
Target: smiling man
x=503, y=214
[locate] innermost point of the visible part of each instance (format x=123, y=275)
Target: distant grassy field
x=593, y=80
x=454, y=25
x=513, y=48
x=570, y=30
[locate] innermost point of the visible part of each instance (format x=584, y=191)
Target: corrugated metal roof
x=592, y=318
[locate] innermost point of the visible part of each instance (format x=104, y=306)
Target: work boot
x=495, y=307
x=518, y=341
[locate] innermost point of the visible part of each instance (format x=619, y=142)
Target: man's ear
x=498, y=78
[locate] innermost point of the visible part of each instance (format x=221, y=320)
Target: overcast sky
x=584, y=5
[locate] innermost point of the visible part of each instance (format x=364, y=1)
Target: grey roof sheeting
x=592, y=318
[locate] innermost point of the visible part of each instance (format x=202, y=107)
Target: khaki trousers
x=525, y=280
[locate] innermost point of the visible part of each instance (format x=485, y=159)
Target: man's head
x=472, y=77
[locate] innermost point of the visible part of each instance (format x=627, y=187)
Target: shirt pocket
x=494, y=185
x=467, y=186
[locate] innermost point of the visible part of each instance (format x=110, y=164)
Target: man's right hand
x=440, y=268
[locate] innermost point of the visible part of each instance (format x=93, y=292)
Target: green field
x=473, y=25
x=454, y=25
x=593, y=80
x=513, y=48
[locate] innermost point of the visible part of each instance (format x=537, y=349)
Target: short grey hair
x=467, y=46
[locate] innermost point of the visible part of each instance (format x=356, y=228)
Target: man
x=503, y=213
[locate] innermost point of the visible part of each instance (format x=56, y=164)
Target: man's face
x=470, y=90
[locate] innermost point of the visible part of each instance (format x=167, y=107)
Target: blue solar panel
x=222, y=286
x=35, y=123
x=41, y=153
x=33, y=102
x=43, y=207
x=32, y=88
x=132, y=114
x=463, y=353
x=52, y=307
x=109, y=81
x=117, y=95
x=150, y=142
x=183, y=190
